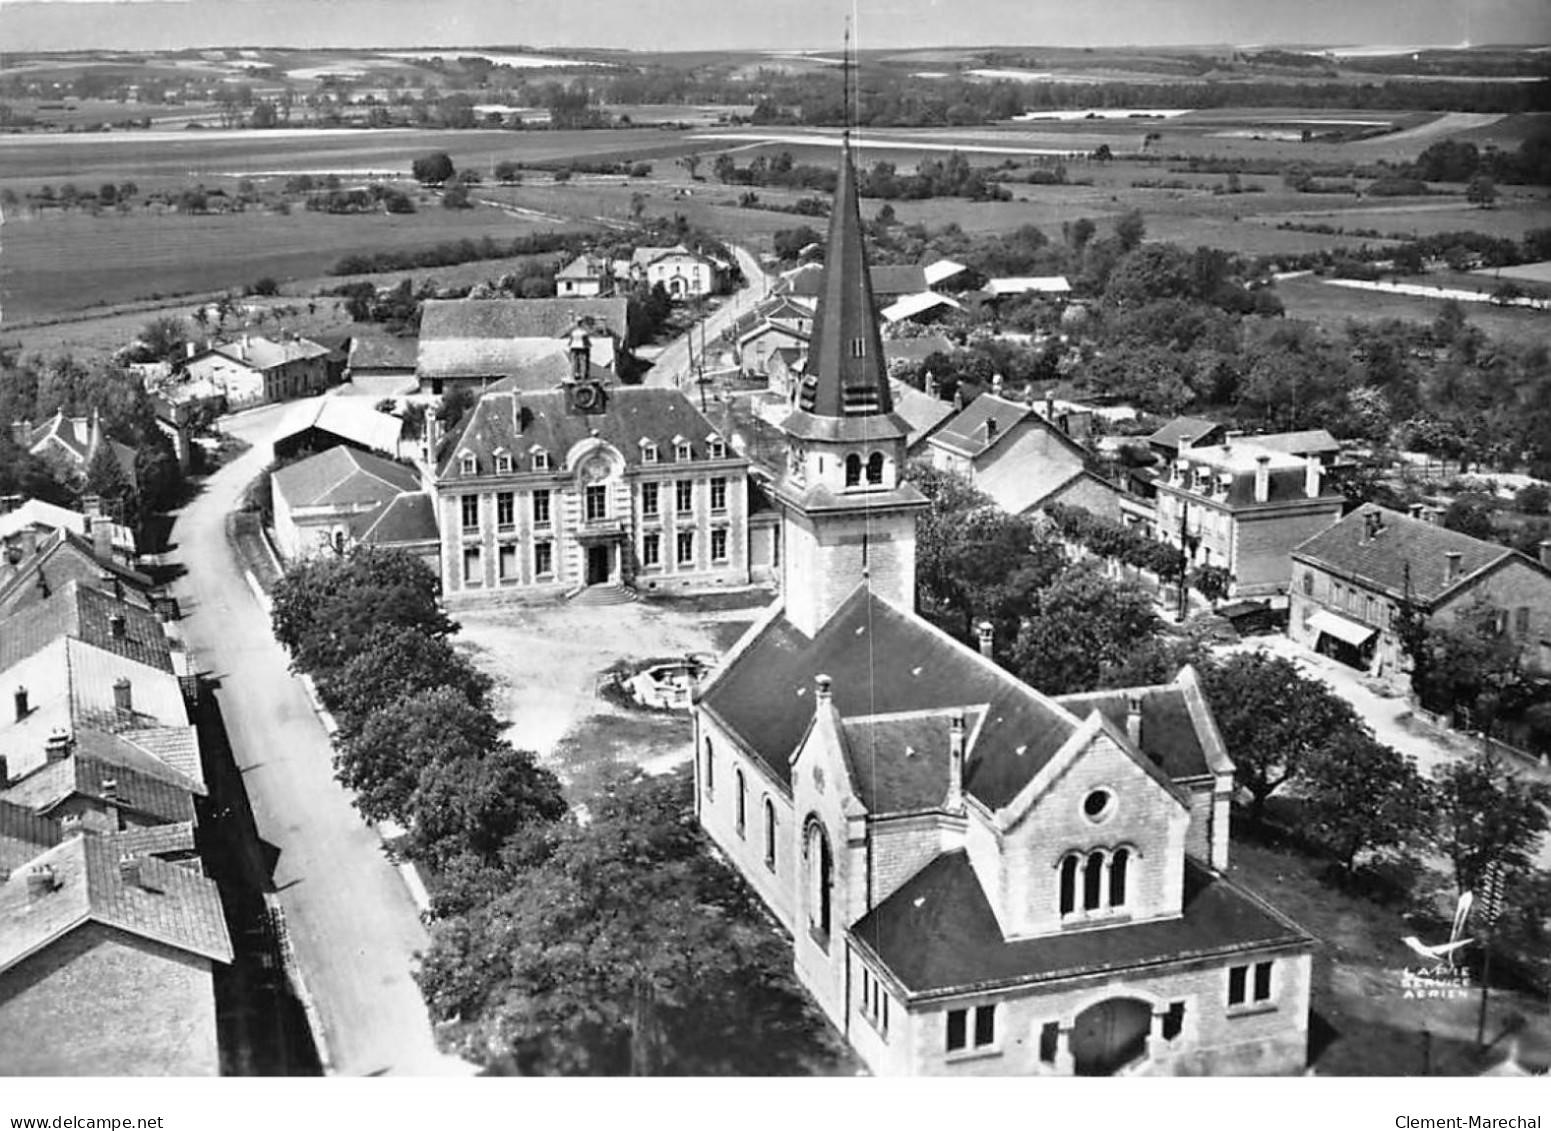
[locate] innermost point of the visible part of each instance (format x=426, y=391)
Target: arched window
x=710, y=769
x=1093, y=881
x=853, y=469
x=770, y=835
x=821, y=878
x=743, y=800
x=1069, y=885
x=875, y=468
x=1117, y=877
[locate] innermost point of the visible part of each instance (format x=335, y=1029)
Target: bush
x=265, y=286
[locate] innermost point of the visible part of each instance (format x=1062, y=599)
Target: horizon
x=692, y=26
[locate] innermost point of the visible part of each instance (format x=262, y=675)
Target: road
x=671, y=369
x=353, y=925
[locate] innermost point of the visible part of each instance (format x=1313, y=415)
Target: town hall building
x=978, y=879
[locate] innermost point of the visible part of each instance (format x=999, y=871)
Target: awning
x=1342, y=629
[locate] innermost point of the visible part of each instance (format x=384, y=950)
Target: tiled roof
x=1170, y=735
x=36, y=514
x=885, y=661
x=966, y=432
x=343, y=417
x=1313, y=442
x=174, y=746
x=1189, y=428
x=258, y=352
x=64, y=557
x=915, y=349
x=411, y=517
x=921, y=412
x=585, y=267
x=156, y=792
x=519, y=317
x=342, y=477
x=910, y=305
x=887, y=281
x=171, y=905
x=383, y=352
x=86, y=614
x=553, y=368
x=24, y=834
x=937, y=933
x=900, y=762
x=174, y=839
x=536, y=363
x=520, y=421
x=1381, y=562
x=1029, y=284
x=940, y=270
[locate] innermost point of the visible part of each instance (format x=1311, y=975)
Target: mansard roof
x=937, y=935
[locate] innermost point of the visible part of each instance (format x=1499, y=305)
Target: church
x=978, y=879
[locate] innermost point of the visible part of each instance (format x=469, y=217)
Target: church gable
x=1096, y=838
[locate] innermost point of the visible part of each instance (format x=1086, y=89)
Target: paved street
x=671, y=369
x=352, y=923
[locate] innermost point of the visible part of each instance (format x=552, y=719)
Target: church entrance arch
x=1110, y=1035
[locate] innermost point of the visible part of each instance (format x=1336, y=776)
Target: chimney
x=1545, y=553
x=1262, y=478
x=189, y=350
x=1311, y=477
x=990, y=429
x=932, y=388
x=985, y=629
x=1134, y=720
x=91, y=506
x=9, y=503
x=1415, y=510
x=41, y=881
x=19, y=430
x=102, y=540
x=955, y=802
x=22, y=706
x=57, y=748
x=1373, y=522
x=70, y=824
x=116, y=625
x=123, y=695
x=1050, y=405
x=1452, y=570
x=5, y=772
x=996, y=384
x=822, y=684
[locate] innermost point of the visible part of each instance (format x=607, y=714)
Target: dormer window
x=716, y=448
x=681, y=449
x=648, y=451
x=503, y=461
x=540, y=459
x=858, y=347
x=467, y=464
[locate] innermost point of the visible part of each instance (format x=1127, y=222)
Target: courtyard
x=550, y=665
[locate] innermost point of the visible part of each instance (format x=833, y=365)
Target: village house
x=588, y=485
x=1245, y=508
x=977, y=879
x=54, y=560
x=382, y=366
x=255, y=370
x=586, y=276
x=1020, y=457
x=679, y=271
x=474, y=343
x=319, y=424
x=68, y=444
x=26, y=524
x=318, y=499
x=107, y=961
x=1350, y=581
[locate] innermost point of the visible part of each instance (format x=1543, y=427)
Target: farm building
x=473, y=343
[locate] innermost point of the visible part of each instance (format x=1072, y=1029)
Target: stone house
x=256, y=370
x=1350, y=581
x=317, y=500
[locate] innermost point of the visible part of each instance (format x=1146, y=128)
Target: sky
x=771, y=24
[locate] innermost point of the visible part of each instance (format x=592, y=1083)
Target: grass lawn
x=1363, y=1024
x=604, y=743
x=1311, y=299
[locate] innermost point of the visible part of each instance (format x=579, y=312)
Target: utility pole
x=1491, y=907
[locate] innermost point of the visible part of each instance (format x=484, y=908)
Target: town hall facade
x=978, y=879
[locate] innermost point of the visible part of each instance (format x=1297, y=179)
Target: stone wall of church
x=1265, y=1038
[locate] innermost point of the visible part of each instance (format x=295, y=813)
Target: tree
x=398, y=662
x=1482, y=191
x=1083, y=621
x=627, y=950
x=1212, y=582
x=164, y=338
x=1273, y=720
x=106, y=479
x=1130, y=230
x=385, y=757
x=326, y=610
x=1361, y=796
x=432, y=169
x=475, y=806
x=158, y=478
x=1471, y=514
x=1487, y=816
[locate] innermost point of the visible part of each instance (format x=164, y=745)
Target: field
x=1309, y=298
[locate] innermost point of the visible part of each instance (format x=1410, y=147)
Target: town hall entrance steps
x=606, y=594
